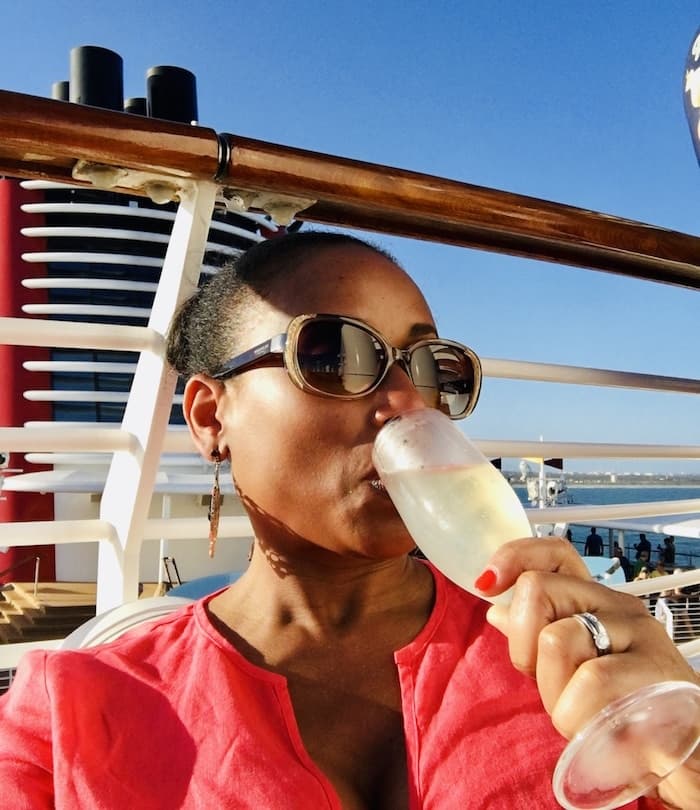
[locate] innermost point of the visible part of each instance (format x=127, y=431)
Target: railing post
x=36, y=576
x=131, y=477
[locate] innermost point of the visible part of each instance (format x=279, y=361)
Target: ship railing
x=6, y=678
x=674, y=600
x=54, y=141
x=20, y=564
x=679, y=613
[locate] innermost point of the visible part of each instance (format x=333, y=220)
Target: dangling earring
x=214, y=504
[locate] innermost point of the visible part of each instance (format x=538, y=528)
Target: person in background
x=593, y=546
x=641, y=563
x=339, y=671
x=659, y=570
x=642, y=572
x=669, y=550
x=643, y=546
x=625, y=564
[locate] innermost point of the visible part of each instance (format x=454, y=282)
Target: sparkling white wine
x=458, y=515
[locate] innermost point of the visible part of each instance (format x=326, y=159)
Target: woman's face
x=301, y=462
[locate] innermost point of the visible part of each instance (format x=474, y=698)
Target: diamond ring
x=596, y=628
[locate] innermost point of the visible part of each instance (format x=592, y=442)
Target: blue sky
x=577, y=103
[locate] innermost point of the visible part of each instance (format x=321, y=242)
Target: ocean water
x=687, y=550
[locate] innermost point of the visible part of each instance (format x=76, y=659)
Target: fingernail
x=486, y=580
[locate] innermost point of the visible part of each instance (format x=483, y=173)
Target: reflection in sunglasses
x=331, y=355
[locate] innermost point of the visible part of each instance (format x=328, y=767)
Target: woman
x=339, y=670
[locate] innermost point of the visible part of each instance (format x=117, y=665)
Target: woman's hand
x=550, y=583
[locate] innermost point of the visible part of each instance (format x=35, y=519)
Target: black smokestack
x=96, y=77
x=60, y=91
x=172, y=94
x=136, y=105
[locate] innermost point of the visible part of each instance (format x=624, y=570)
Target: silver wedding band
x=596, y=628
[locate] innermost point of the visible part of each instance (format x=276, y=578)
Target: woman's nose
x=397, y=394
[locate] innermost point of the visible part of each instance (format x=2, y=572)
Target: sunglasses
x=335, y=356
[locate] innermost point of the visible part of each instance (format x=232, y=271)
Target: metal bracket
x=282, y=208
x=160, y=189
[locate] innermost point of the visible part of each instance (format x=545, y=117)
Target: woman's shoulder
x=111, y=648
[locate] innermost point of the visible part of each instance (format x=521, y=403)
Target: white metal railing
x=130, y=481
x=132, y=211
x=88, y=284
x=97, y=439
x=103, y=233
x=580, y=375
x=44, y=533
x=677, y=608
x=609, y=512
x=55, y=532
x=37, y=332
x=521, y=449
x=7, y=675
x=80, y=366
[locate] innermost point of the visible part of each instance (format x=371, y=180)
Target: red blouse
x=175, y=717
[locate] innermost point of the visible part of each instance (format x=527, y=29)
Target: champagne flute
x=456, y=505
x=459, y=509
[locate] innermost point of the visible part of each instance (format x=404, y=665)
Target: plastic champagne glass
x=459, y=509
x=456, y=505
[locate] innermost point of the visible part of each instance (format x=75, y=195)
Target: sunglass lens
x=339, y=358
x=425, y=375
x=455, y=374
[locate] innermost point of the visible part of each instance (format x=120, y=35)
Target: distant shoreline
x=636, y=486
x=659, y=485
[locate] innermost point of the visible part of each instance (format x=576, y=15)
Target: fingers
x=598, y=682
x=531, y=554
x=575, y=681
x=540, y=600
x=548, y=587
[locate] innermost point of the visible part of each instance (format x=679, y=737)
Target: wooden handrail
x=43, y=138
x=382, y=198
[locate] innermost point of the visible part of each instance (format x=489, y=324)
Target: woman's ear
x=200, y=404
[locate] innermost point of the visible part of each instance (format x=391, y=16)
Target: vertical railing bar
x=36, y=576
x=129, y=486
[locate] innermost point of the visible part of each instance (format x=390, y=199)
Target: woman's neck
x=323, y=600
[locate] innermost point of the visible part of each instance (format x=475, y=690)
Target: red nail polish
x=486, y=580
